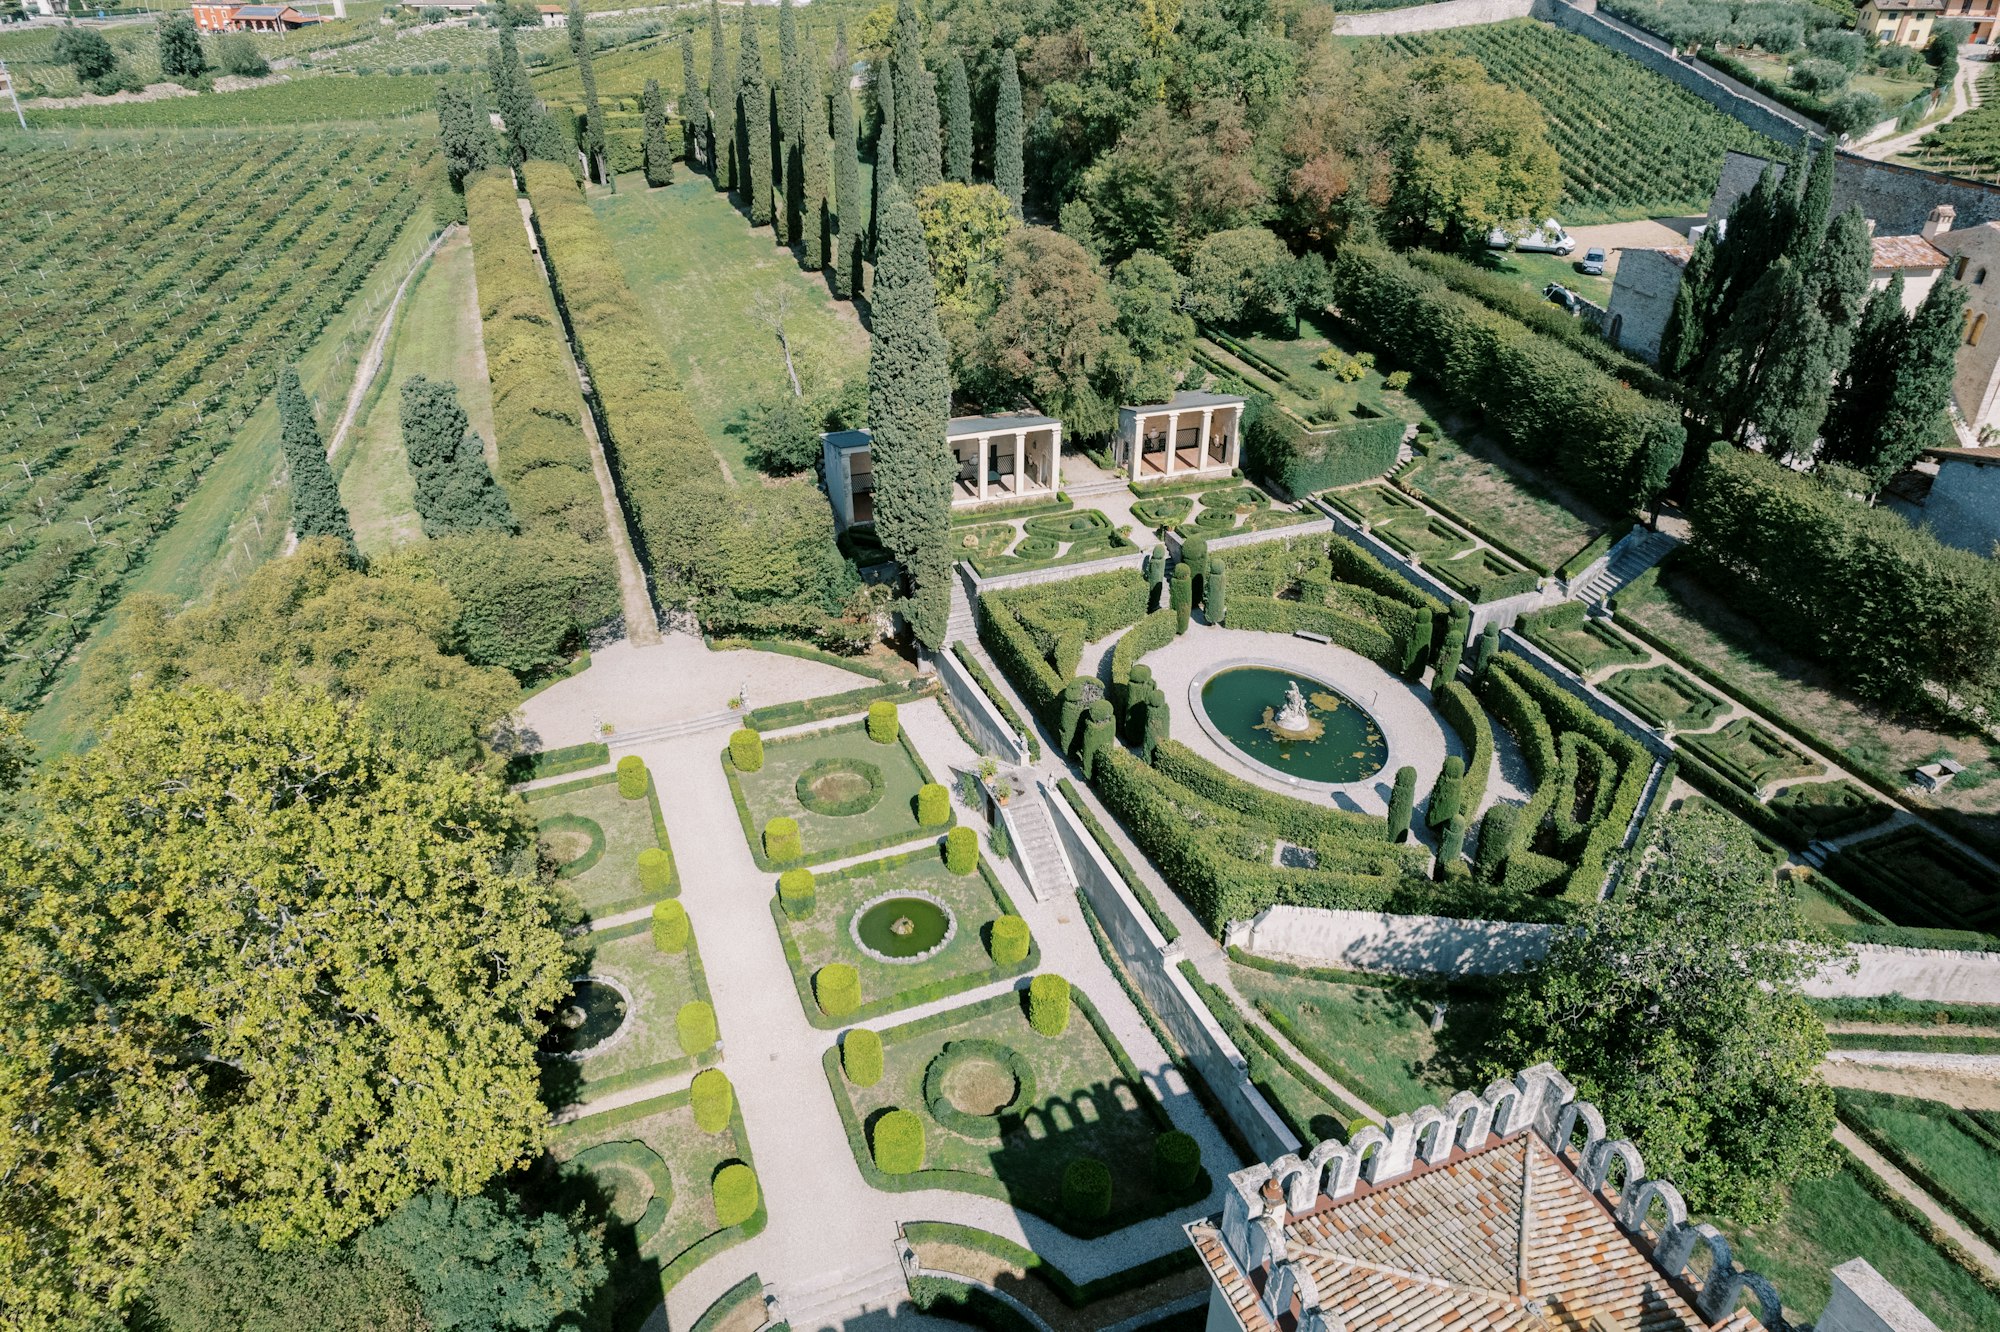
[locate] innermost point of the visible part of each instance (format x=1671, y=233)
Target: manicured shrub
x=746, y=750
x=1158, y=725
x=1453, y=844
x=1194, y=554
x=1010, y=941
x=656, y=870
x=671, y=930
x=1076, y=698
x=1401, y=800
x=632, y=777
x=1086, y=1189
x=714, y=1100
x=933, y=805
x=883, y=723
x=1496, y=840
x=1176, y=1160
x=1483, y=649
x=1048, y=1004
x=1212, y=592
x=796, y=893
x=735, y=1194
x=861, y=1057
x=898, y=1142
x=695, y=1025
x=1444, y=796
x=1183, y=597
x=961, y=850
x=1098, y=731
x=782, y=840
x=837, y=987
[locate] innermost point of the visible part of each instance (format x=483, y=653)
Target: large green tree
x=1677, y=1009
x=655, y=154
x=957, y=122
x=850, y=207
x=464, y=132
x=697, y=134
x=787, y=148
x=1052, y=339
x=1008, y=172
x=965, y=228
x=482, y=1264
x=181, y=56
x=919, y=145
x=225, y=1278
x=721, y=94
x=1148, y=292
x=316, y=507
x=909, y=402
x=1890, y=408
x=1469, y=154
x=454, y=491
x=256, y=958
x=815, y=166
x=530, y=131
x=753, y=126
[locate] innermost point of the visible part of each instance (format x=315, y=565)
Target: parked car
x=1558, y=294
x=1593, y=262
x=1549, y=238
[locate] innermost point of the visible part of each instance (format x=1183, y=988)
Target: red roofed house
x=1513, y=1210
x=230, y=17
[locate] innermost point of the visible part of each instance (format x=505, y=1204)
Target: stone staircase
x=1639, y=551
x=1103, y=483
x=961, y=625
x=711, y=721
x=836, y=1300
x=1033, y=833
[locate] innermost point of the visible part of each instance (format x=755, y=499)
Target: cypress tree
x=721, y=94
x=464, y=132
x=919, y=145
x=530, y=131
x=1838, y=279
x=814, y=167
x=753, y=132
x=909, y=400
x=885, y=152
x=957, y=122
x=696, y=132
x=1008, y=171
x=455, y=492
x=1773, y=367
x=1754, y=238
x=848, y=208
x=595, y=151
x=1684, y=342
x=786, y=149
x=1854, y=420
x=1815, y=208
x=316, y=507
x=1402, y=799
x=1913, y=419
x=659, y=157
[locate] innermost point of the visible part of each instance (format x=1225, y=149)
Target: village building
x=1510, y=1210
x=1904, y=22
x=227, y=17
x=1981, y=14
x=1001, y=460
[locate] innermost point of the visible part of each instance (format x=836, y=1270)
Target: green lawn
x=1308, y=388
x=609, y=883
x=1476, y=479
x=703, y=276
x=1915, y=878
x=437, y=335
x=1832, y=1220
x=1584, y=645
x=1665, y=696
x=1371, y=1040
x=1535, y=271
x=659, y=983
x=772, y=792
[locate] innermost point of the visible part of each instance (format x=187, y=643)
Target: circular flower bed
x=573, y=842
x=1236, y=499
x=970, y=1084
x=1036, y=547
x=641, y=1188
x=1067, y=526
x=1160, y=510
x=839, y=787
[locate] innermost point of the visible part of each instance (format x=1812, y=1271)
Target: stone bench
x=1311, y=637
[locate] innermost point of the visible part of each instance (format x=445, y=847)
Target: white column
x=1173, y=439
x=1055, y=458
x=1020, y=460
x=985, y=447
x=1236, y=438
x=1138, y=441
x=1207, y=423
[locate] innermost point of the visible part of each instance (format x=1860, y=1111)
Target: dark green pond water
x=926, y=923
x=590, y=1016
x=1349, y=749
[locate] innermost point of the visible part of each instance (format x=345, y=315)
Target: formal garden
x=1473, y=570
x=640, y=1011
x=1207, y=509
x=1042, y=540
x=887, y=934
x=605, y=841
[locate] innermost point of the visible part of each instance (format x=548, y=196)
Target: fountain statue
x=1291, y=721
x=1292, y=716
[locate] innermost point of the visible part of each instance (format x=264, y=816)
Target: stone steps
x=1631, y=557
x=1109, y=485
x=836, y=1300
x=711, y=721
x=1034, y=835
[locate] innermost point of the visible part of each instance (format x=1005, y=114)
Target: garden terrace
x=1829, y=809
x=823, y=934
x=1298, y=1095
x=1328, y=586
x=1478, y=485
x=1583, y=644
x=1041, y=541
x=1751, y=754
x=1914, y=878
x=1476, y=572
x=1666, y=697
x=1059, y=1099
x=593, y=837
x=655, y=985
x=1954, y=1156
x=893, y=772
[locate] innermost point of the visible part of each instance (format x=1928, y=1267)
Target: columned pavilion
x=1191, y=435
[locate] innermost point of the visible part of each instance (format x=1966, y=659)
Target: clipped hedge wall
x=1278, y=447
x=1459, y=707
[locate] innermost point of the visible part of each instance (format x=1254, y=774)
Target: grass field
x=1371, y=1040
x=708, y=280
x=659, y=984
x=771, y=792
x=609, y=883
x=1476, y=478
x=436, y=335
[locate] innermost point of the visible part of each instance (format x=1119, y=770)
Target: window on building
x=1958, y=273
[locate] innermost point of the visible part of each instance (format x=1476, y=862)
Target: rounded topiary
x=1182, y=586
x=861, y=1057
x=1194, y=554
x=1452, y=845
x=1048, y=1004
x=656, y=870
x=1402, y=797
x=671, y=930
x=898, y=1142
x=1496, y=841
x=961, y=850
x=695, y=1026
x=837, y=987
x=714, y=1100
x=933, y=805
x=883, y=723
x=967, y=1123
x=797, y=892
x=632, y=777
x=806, y=788
x=1444, y=796
x=1086, y=1189
x=1010, y=941
x=735, y=1193
x=781, y=839
x=1176, y=1160
x=746, y=750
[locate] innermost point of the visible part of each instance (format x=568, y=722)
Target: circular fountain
x=1307, y=735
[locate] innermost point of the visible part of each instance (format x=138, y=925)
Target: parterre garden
x=610, y=849
x=806, y=799
x=1457, y=559
x=1042, y=541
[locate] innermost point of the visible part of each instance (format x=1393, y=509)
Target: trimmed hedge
x=803, y=789
x=1278, y=447
x=951, y=1056
x=796, y=891
x=961, y=850
x=671, y=930
x=830, y=706
x=861, y=1057
x=714, y=1100
x=656, y=870
x=1086, y=1189
x=782, y=840
x=897, y=1142
x=884, y=724
x=735, y=1194
x=837, y=988
x=633, y=779
x=933, y=805
x=1048, y=1004
x=590, y=828
x=1461, y=709
x=1009, y=941
x=694, y=1026
x=746, y=750
x=1176, y=1160
x=1074, y=1294
x=557, y=762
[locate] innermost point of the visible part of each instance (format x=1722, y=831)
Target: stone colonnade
x=1232, y=459
x=1020, y=436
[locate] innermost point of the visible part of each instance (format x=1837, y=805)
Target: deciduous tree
x=481, y=1262
x=316, y=507
x=181, y=56
x=1229, y=280
x=1469, y=154
x=1147, y=293
x=1052, y=339
x=965, y=229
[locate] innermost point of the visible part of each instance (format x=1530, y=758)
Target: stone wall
x=1625, y=721
x=1642, y=299
x=988, y=727
x=1898, y=198
x=1432, y=18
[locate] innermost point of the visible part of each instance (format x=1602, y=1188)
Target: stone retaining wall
x=1432, y=18
x=981, y=717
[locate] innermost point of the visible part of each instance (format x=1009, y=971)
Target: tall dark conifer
x=316, y=506
x=1915, y=417
x=1008, y=172
x=721, y=104
x=1815, y=208
x=1838, y=279
x=1861, y=395
x=464, y=132
x=530, y=131
x=1684, y=342
x=753, y=134
x=919, y=142
x=787, y=149
x=814, y=163
x=596, y=151
x=455, y=491
x=850, y=210
x=885, y=150
x=909, y=400
x=657, y=155
x=695, y=129
x=957, y=122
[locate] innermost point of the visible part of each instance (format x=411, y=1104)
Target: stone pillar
x=1055, y=458
x=1020, y=461
x=985, y=452
x=1173, y=439
x=1236, y=437
x=1207, y=424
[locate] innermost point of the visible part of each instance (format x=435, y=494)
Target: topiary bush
x=837, y=987
x=714, y=1100
x=797, y=892
x=746, y=750
x=1183, y=597
x=1402, y=799
x=735, y=1194
x=695, y=1026
x=671, y=930
x=1086, y=1189
x=782, y=840
x=933, y=805
x=898, y=1142
x=1176, y=1160
x=1048, y=1004
x=1445, y=795
x=633, y=779
x=1496, y=842
x=861, y=1057
x=883, y=723
x=961, y=850
x=656, y=870
x=1010, y=941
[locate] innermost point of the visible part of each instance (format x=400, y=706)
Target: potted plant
x=1002, y=789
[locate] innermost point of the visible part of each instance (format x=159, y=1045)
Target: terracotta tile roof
x=1907, y=252
x=1503, y=1238
x=1905, y=6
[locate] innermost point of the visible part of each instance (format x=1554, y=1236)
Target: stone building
x=1510, y=1210
x=1001, y=460
x=1898, y=199
x=1904, y=22
x=1205, y=430
x=1981, y=14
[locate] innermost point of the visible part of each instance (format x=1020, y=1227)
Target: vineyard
x=293, y=102
x=1631, y=142
x=1969, y=145
x=171, y=279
